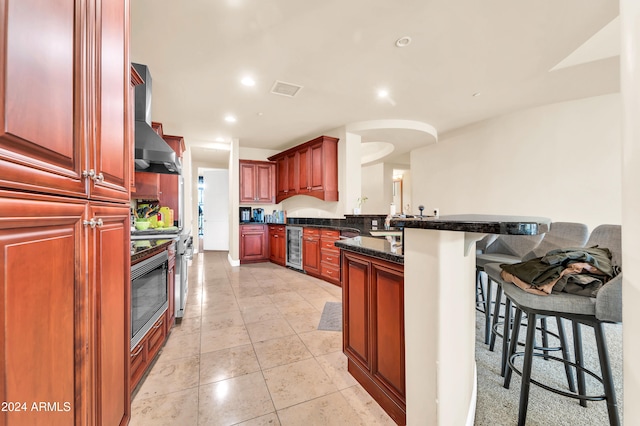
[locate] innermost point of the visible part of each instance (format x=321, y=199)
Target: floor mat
x=331, y=319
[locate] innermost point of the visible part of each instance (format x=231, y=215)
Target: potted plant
x=361, y=201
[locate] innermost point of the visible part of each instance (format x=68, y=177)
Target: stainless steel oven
x=149, y=298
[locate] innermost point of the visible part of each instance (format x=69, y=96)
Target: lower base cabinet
x=65, y=308
x=142, y=355
x=373, y=329
x=277, y=244
x=254, y=244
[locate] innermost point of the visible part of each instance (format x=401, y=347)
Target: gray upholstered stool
x=581, y=310
x=504, y=249
x=561, y=234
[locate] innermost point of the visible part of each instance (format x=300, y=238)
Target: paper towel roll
x=392, y=209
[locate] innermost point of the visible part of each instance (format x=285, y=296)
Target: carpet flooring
x=499, y=406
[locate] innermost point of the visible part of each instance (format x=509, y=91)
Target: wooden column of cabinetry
x=308, y=169
x=170, y=184
x=329, y=256
x=277, y=244
x=65, y=162
x=257, y=182
x=311, y=251
x=373, y=329
x=254, y=245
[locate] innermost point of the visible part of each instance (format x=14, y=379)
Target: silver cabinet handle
x=93, y=223
x=138, y=352
x=91, y=174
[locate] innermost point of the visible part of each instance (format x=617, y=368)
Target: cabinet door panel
x=111, y=156
x=356, y=311
x=109, y=263
x=265, y=183
x=388, y=328
x=304, y=183
x=316, y=173
x=247, y=183
x=41, y=94
x=42, y=286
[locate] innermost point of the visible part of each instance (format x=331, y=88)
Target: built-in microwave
x=149, y=294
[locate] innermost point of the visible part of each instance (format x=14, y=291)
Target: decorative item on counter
x=361, y=201
x=421, y=208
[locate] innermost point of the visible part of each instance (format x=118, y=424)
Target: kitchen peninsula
x=434, y=268
x=439, y=296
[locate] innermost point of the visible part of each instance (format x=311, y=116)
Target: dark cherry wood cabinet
x=311, y=251
x=308, y=169
x=144, y=352
x=277, y=244
x=65, y=174
x=286, y=175
x=170, y=184
x=329, y=256
x=257, y=182
x=373, y=329
x=70, y=342
x=63, y=122
x=254, y=243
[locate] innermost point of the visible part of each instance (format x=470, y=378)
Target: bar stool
x=606, y=307
x=561, y=234
x=504, y=249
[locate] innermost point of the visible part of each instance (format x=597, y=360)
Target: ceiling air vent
x=285, y=89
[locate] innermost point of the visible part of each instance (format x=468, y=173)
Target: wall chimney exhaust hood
x=152, y=153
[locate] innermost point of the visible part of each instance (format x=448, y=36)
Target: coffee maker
x=258, y=215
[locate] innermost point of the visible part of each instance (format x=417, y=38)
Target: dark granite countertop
x=141, y=249
x=380, y=248
x=485, y=224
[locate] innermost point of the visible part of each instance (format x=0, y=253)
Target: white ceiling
x=343, y=51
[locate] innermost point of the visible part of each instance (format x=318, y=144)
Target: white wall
x=630, y=88
x=560, y=161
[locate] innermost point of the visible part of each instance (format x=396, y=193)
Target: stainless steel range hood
x=152, y=153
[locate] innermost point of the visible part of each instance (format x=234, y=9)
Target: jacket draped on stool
x=581, y=271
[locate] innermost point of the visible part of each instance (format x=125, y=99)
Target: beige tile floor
x=248, y=352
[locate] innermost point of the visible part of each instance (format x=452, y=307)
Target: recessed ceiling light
x=260, y=114
x=476, y=94
x=230, y=119
x=248, y=81
x=403, y=41
x=383, y=93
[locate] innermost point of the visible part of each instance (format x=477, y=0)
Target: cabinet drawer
x=330, y=257
x=138, y=362
x=330, y=233
x=311, y=232
x=276, y=229
x=328, y=245
x=156, y=337
x=331, y=273
x=252, y=228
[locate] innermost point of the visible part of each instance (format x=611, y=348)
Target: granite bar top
x=484, y=224
x=380, y=248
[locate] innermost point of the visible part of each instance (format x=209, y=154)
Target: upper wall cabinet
x=257, y=182
x=60, y=63
x=308, y=169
